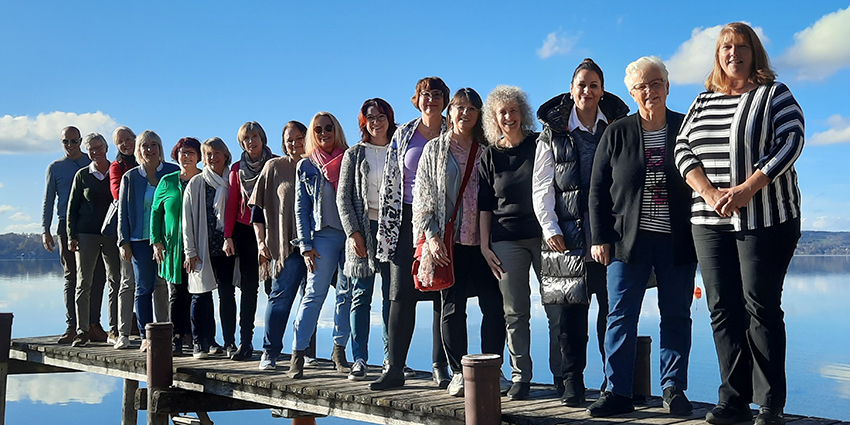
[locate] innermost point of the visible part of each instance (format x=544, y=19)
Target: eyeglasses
x=328, y=129
x=653, y=85
x=72, y=141
x=465, y=109
x=435, y=94
x=376, y=118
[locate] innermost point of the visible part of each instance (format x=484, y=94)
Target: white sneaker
x=311, y=362
x=123, y=342
x=456, y=386
x=268, y=362
x=358, y=370
x=504, y=383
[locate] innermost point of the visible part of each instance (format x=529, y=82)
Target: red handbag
x=444, y=276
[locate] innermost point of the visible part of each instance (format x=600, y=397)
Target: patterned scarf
x=221, y=186
x=330, y=163
x=250, y=169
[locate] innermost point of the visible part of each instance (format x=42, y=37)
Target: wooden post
x=5, y=343
x=159, y=366
x=482, y=401
x=303, y=421
x=129, y=414
x=643, y=368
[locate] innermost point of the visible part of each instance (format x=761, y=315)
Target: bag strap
x=470, y=162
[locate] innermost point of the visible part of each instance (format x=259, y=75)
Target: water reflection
x=60, y=388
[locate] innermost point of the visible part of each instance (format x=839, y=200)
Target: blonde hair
x=215, y=143
x=147, y=135
x=118, y=130
x=310, y=141
x=248, y=128
x=761, y=73
x=500, y=96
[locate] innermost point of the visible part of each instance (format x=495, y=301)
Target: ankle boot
x=296, y=365
x=338, y=357
x=392, y=378
x=440, y=375
x=574, y=391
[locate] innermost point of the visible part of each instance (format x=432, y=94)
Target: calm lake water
x=816, y=298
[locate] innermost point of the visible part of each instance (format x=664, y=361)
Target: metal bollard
x=482, y=401
x=643, y=367
x=5, y=344
x=159, y=365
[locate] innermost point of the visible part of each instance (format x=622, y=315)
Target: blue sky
x=202, y=69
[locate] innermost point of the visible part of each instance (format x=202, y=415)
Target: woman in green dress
x=167, y=237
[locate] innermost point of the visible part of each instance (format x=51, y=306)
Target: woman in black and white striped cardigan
x=737, y=149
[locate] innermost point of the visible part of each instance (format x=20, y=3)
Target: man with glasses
x=60, y=175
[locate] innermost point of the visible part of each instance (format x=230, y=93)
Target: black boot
x=296, y=365
x=393, y=378
x=338, y=357
x=574, y=390
x=440, y=374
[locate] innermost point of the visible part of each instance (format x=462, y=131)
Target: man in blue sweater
x=60, y=175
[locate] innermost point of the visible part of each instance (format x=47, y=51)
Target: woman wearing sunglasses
x=320, y=238
x=395, y=234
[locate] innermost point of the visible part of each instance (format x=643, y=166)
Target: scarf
x=221, y=186
x=130, y=160
x=330, y=163
x=249, y=170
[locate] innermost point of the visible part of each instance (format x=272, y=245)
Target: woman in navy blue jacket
x=134, y=222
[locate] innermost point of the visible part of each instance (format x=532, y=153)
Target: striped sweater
x=731, y=137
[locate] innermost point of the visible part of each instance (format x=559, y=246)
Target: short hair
x=500, y=96
x=642, y=64
x=250, y=127
x=147, y=135
x=69, y=128
x=215, y=143
x=92, y=137
x=186, y=142
x=474, y=98
x=310, y=142
x=385, y=108
x=430, y=83
x=589, y=65
x=118, y=130
x=290, y=125
x=761, y=73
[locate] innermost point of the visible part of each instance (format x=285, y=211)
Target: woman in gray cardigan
x=357, y=200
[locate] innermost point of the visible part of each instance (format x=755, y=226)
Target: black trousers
x=472, y=278
x=180, y=301
x=574, y=333
x=249, y=271
x=743, y=273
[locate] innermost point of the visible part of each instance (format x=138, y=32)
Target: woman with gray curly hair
x=510, y=233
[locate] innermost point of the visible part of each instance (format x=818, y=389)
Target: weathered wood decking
x=326, y=392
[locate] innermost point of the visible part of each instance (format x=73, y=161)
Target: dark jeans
x=283, y=291
x=249, y=284
x=145, y=269
x=223, y=269
x=743, y=274
x=203, y=321
x=362, y=289
x=472, y=278
x=179, y=302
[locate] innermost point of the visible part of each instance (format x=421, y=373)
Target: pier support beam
x=159, y=365
x=129, y=414
x=482, y=401
x=5, y=343
x=643, y=369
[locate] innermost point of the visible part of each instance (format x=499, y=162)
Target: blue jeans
x=361, y=306
x=329, y=243
x=284, y=289
x=626, y=288
x=145, y=269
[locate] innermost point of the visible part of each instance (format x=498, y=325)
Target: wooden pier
x=217, y=384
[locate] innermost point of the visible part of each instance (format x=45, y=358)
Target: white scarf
x=221, y=187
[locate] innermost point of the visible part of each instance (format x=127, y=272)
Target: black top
x=216, y=236
x=504, y=188
x=88, y=203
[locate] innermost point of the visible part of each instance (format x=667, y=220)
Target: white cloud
x=5, y=208
x=25, y=134
x=557, y=43
x=24, y=228
x=694, y=58
x=20, y=216
x=821, y=49
x=826, y=223
x=53, y=388
x=838, y=132
x=1, y=185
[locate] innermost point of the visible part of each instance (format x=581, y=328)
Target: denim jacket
x=309, y=185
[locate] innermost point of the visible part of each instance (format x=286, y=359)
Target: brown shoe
x=67, y=337
x=96, y=333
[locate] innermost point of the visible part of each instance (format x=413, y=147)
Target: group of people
x=595, y=204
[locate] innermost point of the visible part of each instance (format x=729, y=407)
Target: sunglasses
x=327, y=129
x=71, y=141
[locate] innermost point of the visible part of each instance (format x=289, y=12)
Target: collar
x=576, y=124
x=94, y=171
x=144, y=174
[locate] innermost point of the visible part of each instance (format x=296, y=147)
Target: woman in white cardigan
x=204, y=204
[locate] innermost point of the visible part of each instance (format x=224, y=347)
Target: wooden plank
x=182, y=401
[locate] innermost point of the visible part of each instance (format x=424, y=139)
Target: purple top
x=411, y=163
